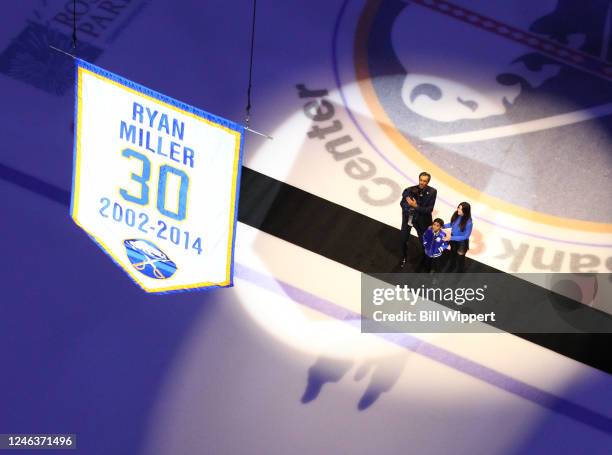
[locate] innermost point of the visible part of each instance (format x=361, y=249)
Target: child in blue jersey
x=434, y=244
x=461, y=229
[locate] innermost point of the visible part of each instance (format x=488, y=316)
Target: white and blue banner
x=155, y=182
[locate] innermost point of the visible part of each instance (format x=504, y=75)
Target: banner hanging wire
x=63, y=52
x=248, y=107
x=247, y=128
x=74, y=29
x=250, y=86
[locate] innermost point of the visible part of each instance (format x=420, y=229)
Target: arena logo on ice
x=509, y=105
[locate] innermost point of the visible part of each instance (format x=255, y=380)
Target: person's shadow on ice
x=384, y=374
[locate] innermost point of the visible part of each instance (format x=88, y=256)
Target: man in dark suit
x=417, y=204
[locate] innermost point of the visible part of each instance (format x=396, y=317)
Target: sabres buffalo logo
x=148, y=259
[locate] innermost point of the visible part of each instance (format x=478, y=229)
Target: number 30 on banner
x=143, y=180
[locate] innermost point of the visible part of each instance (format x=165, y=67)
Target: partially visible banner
x=155, y=182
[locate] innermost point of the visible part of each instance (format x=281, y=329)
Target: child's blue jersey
x=434, y=244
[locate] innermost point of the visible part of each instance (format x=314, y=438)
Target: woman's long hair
x=467, y=215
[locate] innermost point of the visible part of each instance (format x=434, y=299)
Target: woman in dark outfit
x=461, y=225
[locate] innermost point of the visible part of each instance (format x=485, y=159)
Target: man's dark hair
x=425, y=174
x=439, y=221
